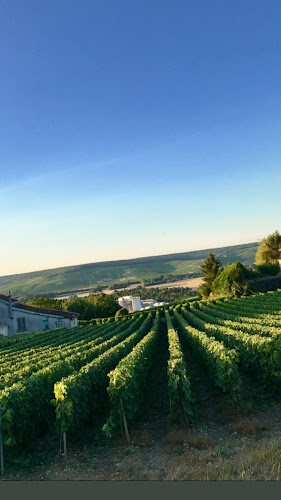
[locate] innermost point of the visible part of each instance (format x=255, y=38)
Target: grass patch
x=176, y=437
x=262, y=461
x=199, y=441
x=248, y=426
x=131, y=473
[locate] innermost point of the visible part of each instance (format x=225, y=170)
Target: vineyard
x=97, y=378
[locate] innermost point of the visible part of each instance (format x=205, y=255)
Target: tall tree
x=210, y=268
x=45, y=302
x=269, y=249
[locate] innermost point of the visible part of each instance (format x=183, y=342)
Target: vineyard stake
x=183, y=410
x=125, y=421
x=234, y=395
x=121, y=425
x=64, y=445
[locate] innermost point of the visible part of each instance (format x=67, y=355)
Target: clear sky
x=133, y=128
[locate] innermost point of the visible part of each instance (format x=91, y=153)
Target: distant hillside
x=72, y=278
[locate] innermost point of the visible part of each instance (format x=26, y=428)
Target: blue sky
x=136, y=128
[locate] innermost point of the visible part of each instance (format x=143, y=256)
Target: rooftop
x=39, y=310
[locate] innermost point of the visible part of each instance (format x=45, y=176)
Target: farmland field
x=80, y=277
x=190, y=391
x=192, y=283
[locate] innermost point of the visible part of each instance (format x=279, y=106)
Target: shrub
x=268, y=269
x=271, y=283
x=233, y=281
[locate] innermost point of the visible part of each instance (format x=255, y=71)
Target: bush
x=233, y=281
x=270, y=284
x=268, y=269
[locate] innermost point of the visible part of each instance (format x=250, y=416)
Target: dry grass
x=199, y=441
x=131, y=473
x=261, y=462
x=176, y=437
x=248, y=426
x=142, y=440
x=181, y=437
x=184, y=457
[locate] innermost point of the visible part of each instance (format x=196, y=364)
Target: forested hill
x=72, y=278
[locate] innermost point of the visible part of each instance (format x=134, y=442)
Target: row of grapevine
x=44, y=338
x=25, y=340
x=58, y=336
x=26, y=408
x=219, y=311
x=262, y=299
x=72, y=340
x=128, y=381
x=67, y=339
x=82, y=348
x=261, y=354
x=253, y=311
x=81, y=397
x=220, y=362
x=28, y=338
x=254, y=306
x=178, y=378
x=251, y=328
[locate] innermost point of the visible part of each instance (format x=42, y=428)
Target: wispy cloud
x=35, y=179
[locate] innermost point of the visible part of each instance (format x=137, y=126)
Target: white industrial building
x=19, y=318
x=131, y=303
x=136, y=304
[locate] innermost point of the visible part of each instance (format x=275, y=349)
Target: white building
x=131, y=303
x=136, y=304
x=19, y=318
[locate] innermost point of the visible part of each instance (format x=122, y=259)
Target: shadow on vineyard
x=211, y=406
x=261, y=400
x=155, y=412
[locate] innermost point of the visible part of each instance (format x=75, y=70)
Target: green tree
x=232, y=281
x=98, y=305
x=210, y=268
x=46, y=303
x=77, y=305
x=105, y=305
x=268, y=251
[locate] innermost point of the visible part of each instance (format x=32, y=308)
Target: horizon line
x=124, y=260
